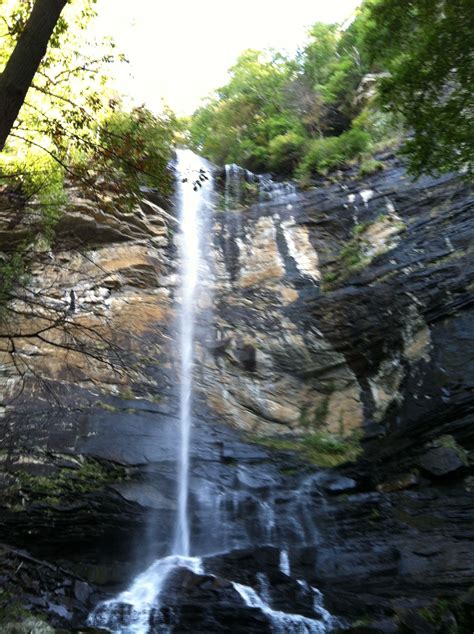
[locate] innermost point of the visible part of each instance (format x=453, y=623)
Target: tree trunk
x=24, y=61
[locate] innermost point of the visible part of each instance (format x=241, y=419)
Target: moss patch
x=88, y=477
x=358, y=252
x=28, y=626
x=370, y=166
x=107, y=406
x=312, y=419
x=10, y=608
x=321, y=448
x=16, y=619
x=351, y=260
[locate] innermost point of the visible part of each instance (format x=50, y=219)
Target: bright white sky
x=180, y=50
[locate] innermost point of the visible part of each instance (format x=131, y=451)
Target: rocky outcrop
x=342, y=311
x=351, y=298
x=31, y=586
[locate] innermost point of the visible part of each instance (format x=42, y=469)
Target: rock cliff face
x=346, y=309
x=342, y=307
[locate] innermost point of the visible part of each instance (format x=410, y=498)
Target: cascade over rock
x=346, y=308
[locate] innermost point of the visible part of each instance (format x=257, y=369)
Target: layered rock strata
x=344, y=310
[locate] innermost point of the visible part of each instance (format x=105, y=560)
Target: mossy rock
x=64, y=484
x=321, y=448
x=30, y=625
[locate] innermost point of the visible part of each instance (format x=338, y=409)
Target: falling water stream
x=144, y=593
x=189, y=166
x=132, y=611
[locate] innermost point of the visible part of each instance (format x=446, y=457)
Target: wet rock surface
x=211, y=601
x=30, y=586
x=346, y=308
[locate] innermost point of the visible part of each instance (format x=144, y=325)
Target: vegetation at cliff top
x=398, y=70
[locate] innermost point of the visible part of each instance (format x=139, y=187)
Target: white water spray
x=141, y=598
x=188, y=168
x=282, y=622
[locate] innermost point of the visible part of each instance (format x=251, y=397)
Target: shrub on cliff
x=240, y=121
x=328, y=153
x=286, y=150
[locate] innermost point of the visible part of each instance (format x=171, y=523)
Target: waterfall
x=243, y=187
x=230, y=509
x=282, y=622
x=189, y=167
x=143, y=595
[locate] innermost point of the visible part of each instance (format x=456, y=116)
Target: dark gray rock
x=336, y=484
x=375, y=627
x=441, y=461
x=82, y=591
x=243, y=565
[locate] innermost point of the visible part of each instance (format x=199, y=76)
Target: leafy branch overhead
x=71, y=134
x=428, y=48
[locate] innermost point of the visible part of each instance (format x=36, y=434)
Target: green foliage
x=323, y=154
x=362, y=227
x=341, y=86
x=34, y=162
x=327, y=450
x=353, y=143
x=351, y=255
x=380, y=125
x=328, y=153
x=322, y=411
x=10, y=609
x=370, y=166
x=12, y=271
x=70, y=87
x=360, y=250
x=274, y=112
x=89, y=476
x=328, y=279
x=418, y=54
x=15, y=618
x=318, y=58
x=39, y=180
x=71, y=126
x=333, y=63
x=239, y=122
x=285, y=152
x=321, y=448
x=426, y=45
x=29, y=176
x=304, y=114
x=135, y=149
x=27, y=625
x=73, y=117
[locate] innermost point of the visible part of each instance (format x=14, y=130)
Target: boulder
x=442, y=461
